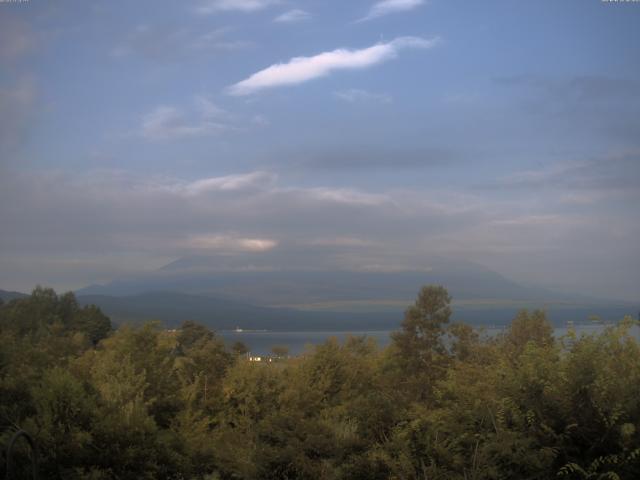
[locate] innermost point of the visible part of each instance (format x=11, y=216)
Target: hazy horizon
x=368, y=136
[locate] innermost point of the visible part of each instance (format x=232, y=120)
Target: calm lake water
x=261, y=342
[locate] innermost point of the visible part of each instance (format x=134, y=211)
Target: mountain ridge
x=268, y=286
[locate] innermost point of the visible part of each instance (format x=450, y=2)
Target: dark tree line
x=441, y=402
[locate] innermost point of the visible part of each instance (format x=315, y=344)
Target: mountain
x=203, y=276
x=215, y=291
x=8, y=295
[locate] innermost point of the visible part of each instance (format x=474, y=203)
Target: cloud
x=293, y=16
x=230, y=243
x=258, y=219
x=171, y=43
x=543, y=175
x=16, y=38
x=207, y=7
x=581, y=88
x=228, y=183
x=202, y=117
x=17, y=108
x=351, y=242
x=355, y=95
x=247, y=221
x=18, y=93
x=347, y=196
x=199, y=119
x=613, y=174
x=164, y=123
x=207, y=108
x=531, y=221
x=582, y=108
x=386, y=7
x=303, y=69
x=260, y=120
x=216, y=40
x=369, y=156
x=153, y=43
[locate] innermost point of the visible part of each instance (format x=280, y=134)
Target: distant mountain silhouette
x=217, y=292
x=7, y=295
x=268, y=286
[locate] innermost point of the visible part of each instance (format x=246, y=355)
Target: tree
x=423, y=324
x=239, y=348
x=280, y=351
x=527, y=328
x=63, y=418
x=419, y=345
x=91, y=321
x=440, y=402
x=192, y=333
x=464, y=341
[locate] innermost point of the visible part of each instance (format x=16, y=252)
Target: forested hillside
x=441, y=402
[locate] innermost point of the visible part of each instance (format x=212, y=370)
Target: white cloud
x=216, y=40
x=201, y=118
x=230, y=243
x=532, y=220
x=586, y=198
x=207, y=108
x=355, y=95
x=293, y=16
x=165, y=122
x=347, y=196
x=302, y=69
x=385, y=7
x=542, y=175
x=260, y=120
x=228, y=183
x=213, y=6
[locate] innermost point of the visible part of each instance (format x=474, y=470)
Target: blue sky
x=369, y=135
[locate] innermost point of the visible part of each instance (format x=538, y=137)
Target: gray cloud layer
x=256, y=220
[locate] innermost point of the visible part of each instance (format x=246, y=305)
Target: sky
x=361, y=135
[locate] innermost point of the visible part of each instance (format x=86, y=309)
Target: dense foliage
x=441, y=402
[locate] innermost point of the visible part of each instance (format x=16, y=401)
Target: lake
x=261, y=342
